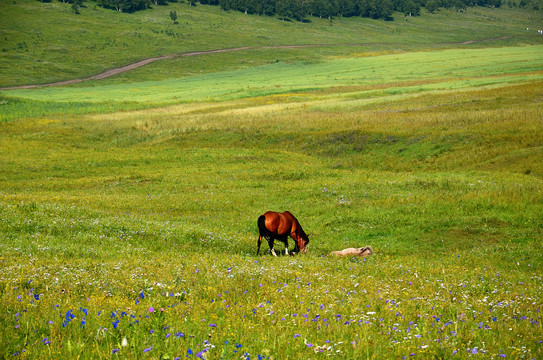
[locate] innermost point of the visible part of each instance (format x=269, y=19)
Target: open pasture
x=43, y=42
x=128, y=229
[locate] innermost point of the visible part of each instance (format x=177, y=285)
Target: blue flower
x=115, y=323
x=148, y=349
x=190, y=352
x=142, y=295
x=114, y=351
x=37, y=296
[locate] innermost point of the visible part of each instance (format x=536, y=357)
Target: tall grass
x=131, y=230
x=134, y=234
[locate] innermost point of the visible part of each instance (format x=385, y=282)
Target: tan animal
x=364, y=251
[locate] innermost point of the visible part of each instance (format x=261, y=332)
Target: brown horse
x=278, y=226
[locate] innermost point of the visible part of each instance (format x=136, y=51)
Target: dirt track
x=125, y=68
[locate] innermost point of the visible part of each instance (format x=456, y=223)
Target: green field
x=128, y=206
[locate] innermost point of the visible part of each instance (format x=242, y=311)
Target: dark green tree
x=410, y=8
x=432, y=6
x=285, y=8
x=173, y=16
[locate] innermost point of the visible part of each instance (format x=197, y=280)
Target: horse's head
x=302, y=242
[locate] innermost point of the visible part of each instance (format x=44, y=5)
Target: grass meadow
x=128, y=206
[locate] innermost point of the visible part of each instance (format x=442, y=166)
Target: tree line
x=300, y=10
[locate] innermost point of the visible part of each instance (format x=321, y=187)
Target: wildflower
x=296, y=335
x=114, y=351
x=142, y=295
x=168, y=335
x=37, y=296
x=151, y=309
x=115, y=323
x=148, y=349
x=190, y=352
x=180, y=334
x=474, y=351
x=124, y=342
x=213, y=325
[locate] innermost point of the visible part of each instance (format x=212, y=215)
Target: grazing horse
x=278, y=226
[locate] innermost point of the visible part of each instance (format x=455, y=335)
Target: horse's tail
x=264, y=232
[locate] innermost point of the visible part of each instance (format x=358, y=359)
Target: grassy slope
x=352, y=82
x=163, y=203
x=40, y=48
x=143, y=222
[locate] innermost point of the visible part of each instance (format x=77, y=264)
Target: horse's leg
x=296, y=247
x=270, y=243
x=258, y=244
x=284, y=240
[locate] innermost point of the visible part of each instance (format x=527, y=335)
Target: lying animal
x=364, y=251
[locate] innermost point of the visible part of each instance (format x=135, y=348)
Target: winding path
x=129, y=67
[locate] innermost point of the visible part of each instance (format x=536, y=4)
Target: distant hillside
x=42, y=42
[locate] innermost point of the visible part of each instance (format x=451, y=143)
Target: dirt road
x=129, y=67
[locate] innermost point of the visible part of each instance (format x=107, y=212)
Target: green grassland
x=45, y=42
x=128, y=205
